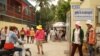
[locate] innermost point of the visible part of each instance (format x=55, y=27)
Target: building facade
x=16, y=12
x=83, y=10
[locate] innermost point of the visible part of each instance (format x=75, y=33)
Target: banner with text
x=83, y=14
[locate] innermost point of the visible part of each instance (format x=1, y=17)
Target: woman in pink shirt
x=28, y=34
x=40, y=36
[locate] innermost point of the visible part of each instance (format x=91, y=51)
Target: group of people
x=78, y=38
x=57, y=34
x=29, y=33
x=9, y=37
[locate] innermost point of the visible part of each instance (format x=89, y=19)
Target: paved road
x=50, y=49
x=53, y=49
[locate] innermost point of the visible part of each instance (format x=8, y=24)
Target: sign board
x=75, y=6
x=83, y=14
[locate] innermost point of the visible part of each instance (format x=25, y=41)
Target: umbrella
x=59, y=24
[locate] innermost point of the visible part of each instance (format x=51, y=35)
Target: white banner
x=83, y=14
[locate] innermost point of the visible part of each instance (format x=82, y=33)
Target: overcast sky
x=38, y=8
x=34, y=3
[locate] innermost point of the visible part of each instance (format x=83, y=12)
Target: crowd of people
x=57, y=35
x=10, y=35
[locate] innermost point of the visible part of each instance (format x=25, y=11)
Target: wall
x=3, y=24
x=85, y=4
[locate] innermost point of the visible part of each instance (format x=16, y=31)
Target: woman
x=32, y=34
x=28, y=34
x=40, y=37
x=22, y=34
x=11, y=40
x=3, y=36
x=77, y=39
x=91, y=39
x=52, y=34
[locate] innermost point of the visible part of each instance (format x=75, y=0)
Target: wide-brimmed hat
x=89, y=22
x=39, y=27
x=78, y=23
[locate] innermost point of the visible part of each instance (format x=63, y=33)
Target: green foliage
x=43, y=13
x=62, y=8
x=49, y=14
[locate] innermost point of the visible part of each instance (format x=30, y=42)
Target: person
x=17, y=32
x=28, y=34
x=91, y=39
x=3, y=36
x=22, y=34
x=46, y=34
x=52, y=34
x=63, y=34
x=77, y=39
x=60, y=35
x=32, y=34
x=11, y=40
x=40, y=37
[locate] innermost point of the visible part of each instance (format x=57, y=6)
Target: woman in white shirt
x=3, y=36
x=77, y=39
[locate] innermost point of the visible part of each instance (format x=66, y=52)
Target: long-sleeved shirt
x=12, y=38
x=40, y=35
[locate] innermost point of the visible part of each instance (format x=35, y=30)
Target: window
x=27, y=11
x=2, y=7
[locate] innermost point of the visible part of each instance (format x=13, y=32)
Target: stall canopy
x=59, y=24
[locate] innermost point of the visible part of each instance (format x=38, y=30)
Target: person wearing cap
x=91, y=39
x=40, y=37
x=77, y=39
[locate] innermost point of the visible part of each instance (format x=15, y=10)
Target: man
x=91, y=39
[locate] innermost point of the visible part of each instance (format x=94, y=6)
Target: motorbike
x=12, y=52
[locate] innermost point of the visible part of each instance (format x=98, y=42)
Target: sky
x=34, y=3
x=38, y=8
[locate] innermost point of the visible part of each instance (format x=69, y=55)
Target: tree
x=62, y=8
x=44, y=14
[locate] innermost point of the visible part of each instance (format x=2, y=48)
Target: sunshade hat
x=89, y=22
x=78, y=23
x=39, y=27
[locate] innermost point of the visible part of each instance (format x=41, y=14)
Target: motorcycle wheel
x=28, y=53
